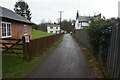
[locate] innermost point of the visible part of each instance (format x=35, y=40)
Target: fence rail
x=9, y=44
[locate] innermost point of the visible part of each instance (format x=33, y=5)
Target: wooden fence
x=82, y=36
x=111, y=61
x=35, y=47
x=113, y=58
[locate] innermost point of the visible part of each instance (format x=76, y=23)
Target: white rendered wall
x=85, y=24
x=77, y=25
x=54, y=30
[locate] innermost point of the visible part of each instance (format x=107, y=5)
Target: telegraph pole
x=60, y=17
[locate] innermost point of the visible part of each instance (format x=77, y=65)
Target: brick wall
x=18, y=30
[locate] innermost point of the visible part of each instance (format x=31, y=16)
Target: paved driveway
x=66, y=61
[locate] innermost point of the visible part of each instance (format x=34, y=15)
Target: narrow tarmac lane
x=66, y=61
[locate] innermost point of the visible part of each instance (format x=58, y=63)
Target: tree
x=22, y=8
x=67, y=25
x=43, y=26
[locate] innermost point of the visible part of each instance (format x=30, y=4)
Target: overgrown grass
x=15, y=67
x=38, y=34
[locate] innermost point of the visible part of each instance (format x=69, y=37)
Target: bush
x=99, y=33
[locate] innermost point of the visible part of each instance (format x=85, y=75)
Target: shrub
x=99, y=33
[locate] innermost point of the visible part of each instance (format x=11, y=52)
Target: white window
x=6, y=30
x=25, y=30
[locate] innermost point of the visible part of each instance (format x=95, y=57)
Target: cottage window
x=6, y=30
x=25, y=30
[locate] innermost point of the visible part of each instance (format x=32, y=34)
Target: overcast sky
x=48, y=9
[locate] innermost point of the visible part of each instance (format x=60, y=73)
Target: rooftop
x=6, y=13
x=84, y=18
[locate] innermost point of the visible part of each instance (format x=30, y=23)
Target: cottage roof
x=84, y=18
x=6, y=13
x=53, y=25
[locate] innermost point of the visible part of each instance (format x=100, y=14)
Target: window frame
x=26, y=31
x=6, y=23
x=51, y=27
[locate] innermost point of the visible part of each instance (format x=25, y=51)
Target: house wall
x=81, y=24
x=85, y=24
x=18, y=30
x=77, y=25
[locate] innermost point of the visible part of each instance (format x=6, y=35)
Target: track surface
x=66, y=61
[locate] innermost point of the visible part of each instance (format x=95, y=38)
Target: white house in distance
x=53, y=28
x=82, y=21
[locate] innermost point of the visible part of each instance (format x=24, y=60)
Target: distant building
x=82, y=21
x=53, y=28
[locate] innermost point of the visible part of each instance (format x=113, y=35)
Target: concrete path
x=66, y=61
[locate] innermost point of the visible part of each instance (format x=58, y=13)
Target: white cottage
x=82, y=21
x=53, y=28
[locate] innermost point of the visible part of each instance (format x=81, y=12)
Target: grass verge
x=96, y=67
x=15, y=67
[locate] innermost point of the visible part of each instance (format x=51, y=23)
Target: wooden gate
x=11, y=46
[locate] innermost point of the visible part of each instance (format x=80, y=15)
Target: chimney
x=77, y=15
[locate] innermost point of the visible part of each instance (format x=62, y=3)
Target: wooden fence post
x=25, y=48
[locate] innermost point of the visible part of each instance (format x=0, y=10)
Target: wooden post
x=25, y=48
x=26, y=52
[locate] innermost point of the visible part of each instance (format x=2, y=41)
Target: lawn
x=38, y=34
x=15, y=67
